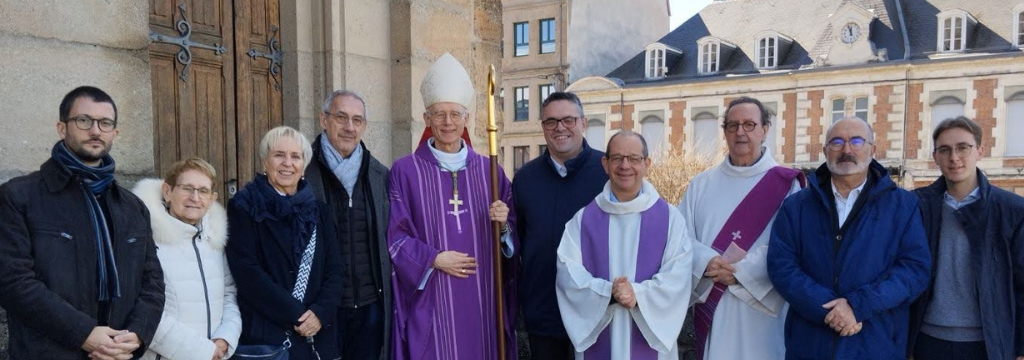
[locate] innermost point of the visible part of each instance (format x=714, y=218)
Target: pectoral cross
x=455, y=202
x=736, y=235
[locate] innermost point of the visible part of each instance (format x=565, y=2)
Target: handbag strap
x=299, y=292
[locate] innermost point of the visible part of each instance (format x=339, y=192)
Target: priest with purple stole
x=729, y=210
x=439, y=235
x=623, y=265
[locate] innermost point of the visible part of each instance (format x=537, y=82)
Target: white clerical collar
x=763, y=164
x=451, y=162
x=644, y=200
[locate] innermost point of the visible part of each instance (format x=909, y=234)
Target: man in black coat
x=79, y=274
x=974, y=305
x=353, y=183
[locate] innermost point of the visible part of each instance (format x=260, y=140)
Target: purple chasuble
x=750, y=217
x=654, y=223
x=450, y=318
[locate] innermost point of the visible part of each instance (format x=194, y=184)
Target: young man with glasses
x=728, y=210
x=80, y=275
x=623, y=264
x=849, y=254
x=548, y=191
x=974, y=306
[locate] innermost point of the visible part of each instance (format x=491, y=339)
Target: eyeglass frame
x=736, y=126
x=949, y=150
x=552, y=123
x=436, y=115
x=631, y=160
x=195, y=190
x=92, y=122
x=831, y=146
x=354, y=120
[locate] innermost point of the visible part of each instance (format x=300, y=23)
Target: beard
x=847, y=164
x=87, y=155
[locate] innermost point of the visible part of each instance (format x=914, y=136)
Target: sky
x=682, y=10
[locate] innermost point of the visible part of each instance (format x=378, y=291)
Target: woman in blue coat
x=279, y=233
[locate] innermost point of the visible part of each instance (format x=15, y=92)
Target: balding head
x=868, y=133
x=849, y=147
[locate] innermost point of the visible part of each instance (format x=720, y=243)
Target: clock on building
x=850, y=33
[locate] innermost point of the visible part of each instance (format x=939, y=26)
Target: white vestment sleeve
x=583, y=300
x=658, y=312
x=702, y=255
x=753, y=285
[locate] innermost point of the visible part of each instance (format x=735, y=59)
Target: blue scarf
x=98, y=181
x=346, y=170
x=299, y=211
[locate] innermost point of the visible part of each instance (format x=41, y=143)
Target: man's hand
x=499, y=212
x=841, y=318
x=456, y=264
x=622, y=292
x=222, y=349
x=309, y=324
x=720, y=271
x=122, y=344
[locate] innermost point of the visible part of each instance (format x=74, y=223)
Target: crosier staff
x=492, y=140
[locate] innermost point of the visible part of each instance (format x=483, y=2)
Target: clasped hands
x=622, y=292
x=105, y=343
x=720, y=271
x=840, y=318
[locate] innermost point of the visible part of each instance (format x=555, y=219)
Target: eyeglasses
x=856, y=143
x=962, y=150
x=342, y=119
x=552, y=123
x=204, y=192
x=439, y=116
x=617, y=160
x=84, y=122
x=731, y=127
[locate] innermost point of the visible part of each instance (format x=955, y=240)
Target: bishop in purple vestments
x=439, y=235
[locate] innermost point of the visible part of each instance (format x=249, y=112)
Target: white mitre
x=447, y=81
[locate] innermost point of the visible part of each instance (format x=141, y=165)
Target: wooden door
x=212, y=97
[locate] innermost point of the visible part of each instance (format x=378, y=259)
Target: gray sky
x=682, y=10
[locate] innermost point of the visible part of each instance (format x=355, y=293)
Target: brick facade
x=881, y=124
x=627, y=117
x=914, y=125
x=984, y=104
x=789, y=127
x=677, y=121
x=814, y=113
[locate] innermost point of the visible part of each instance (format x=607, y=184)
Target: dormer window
x=1018, y=26
x=954, y=28
x=770, y=48
x=656, y=60
x=713, y=51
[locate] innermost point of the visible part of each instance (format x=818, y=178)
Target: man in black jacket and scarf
x=79, y=274
x=974, y=306
x=353, y=183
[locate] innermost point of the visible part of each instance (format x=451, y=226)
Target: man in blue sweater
x=549, y=190
x=973, y=308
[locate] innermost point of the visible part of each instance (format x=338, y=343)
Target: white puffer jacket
x=200, y=293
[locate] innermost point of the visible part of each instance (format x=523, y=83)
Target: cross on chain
x=455, y=202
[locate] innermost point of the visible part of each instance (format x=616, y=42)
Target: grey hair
x=871, y=130
x=631, y=133
x=326, y=107
x=276, y=134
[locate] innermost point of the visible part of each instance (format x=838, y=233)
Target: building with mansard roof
x=900, y=65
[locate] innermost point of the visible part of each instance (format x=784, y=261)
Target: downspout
x=906, y=86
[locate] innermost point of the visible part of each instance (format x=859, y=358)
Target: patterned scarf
x=97, y=180
x=346, y=170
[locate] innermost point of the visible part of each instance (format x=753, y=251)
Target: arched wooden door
x=216, y=77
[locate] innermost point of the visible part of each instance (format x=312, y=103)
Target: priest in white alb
x=729, y=210
x=623, y=280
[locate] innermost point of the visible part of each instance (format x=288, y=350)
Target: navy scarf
x=98, y=181
x=299, y=210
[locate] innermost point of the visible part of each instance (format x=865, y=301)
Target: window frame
x=552, y=32
x=520, y=156
x=841, y=111
x=525, y=99
x=866, y=110
x=951, y=31
x=540, y=91
x=525, y=44
x=1018, y=26
x=709, y=57
x=764, y=59
x=655, y=64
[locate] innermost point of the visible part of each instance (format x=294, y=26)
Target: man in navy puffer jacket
x=849, y=254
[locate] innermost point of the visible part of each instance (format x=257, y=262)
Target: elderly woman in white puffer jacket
x=201, y=320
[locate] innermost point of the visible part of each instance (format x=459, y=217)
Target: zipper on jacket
x=206, y=290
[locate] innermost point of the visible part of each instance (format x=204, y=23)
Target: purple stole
x=751, y=217
x=594, y=245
